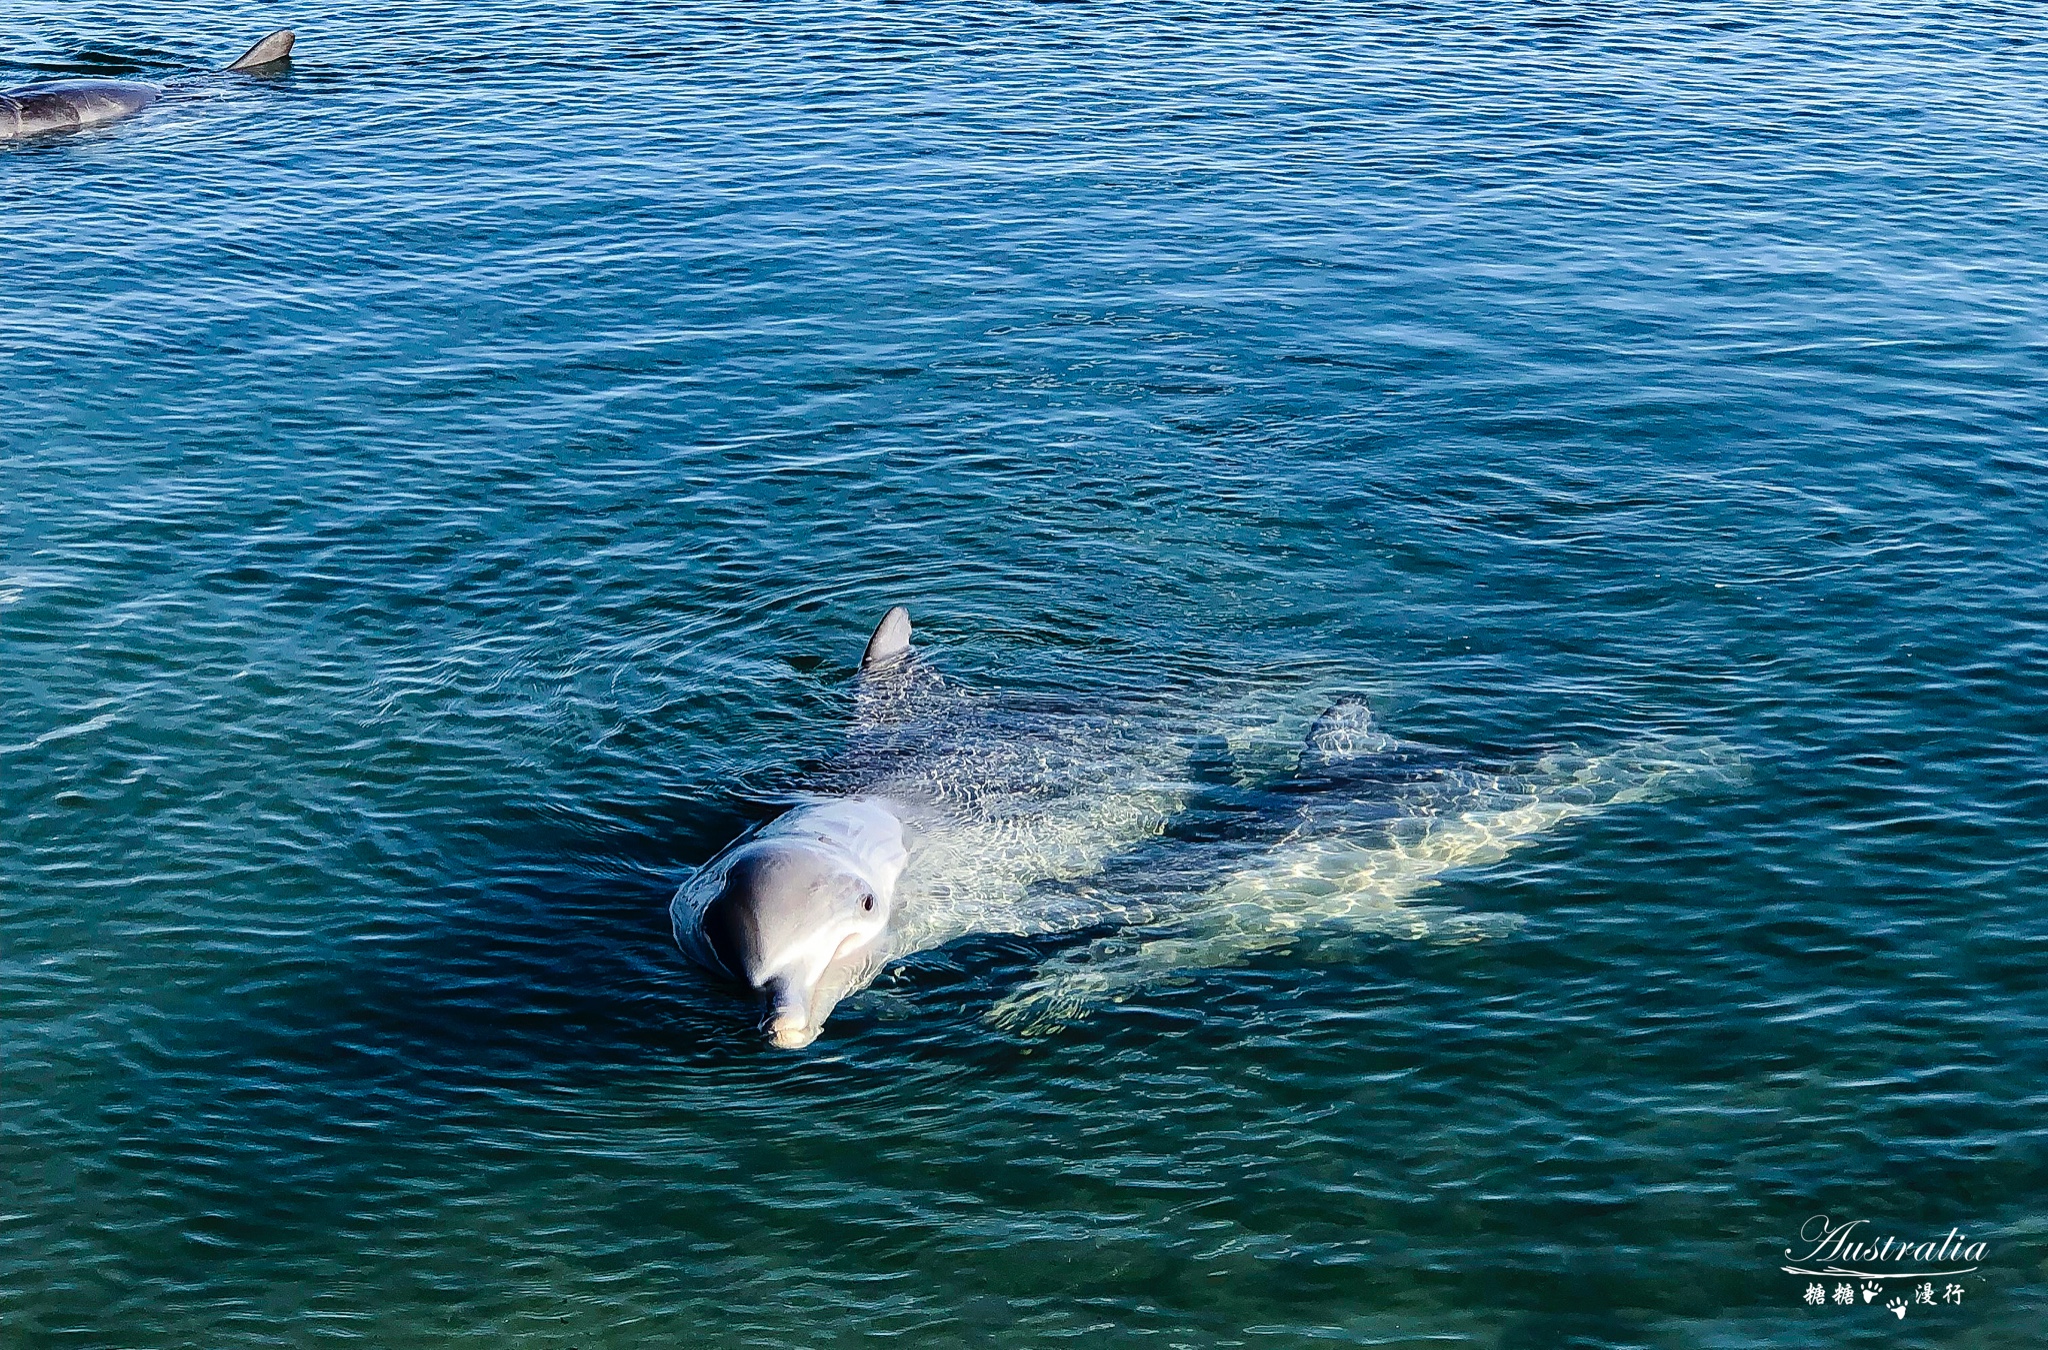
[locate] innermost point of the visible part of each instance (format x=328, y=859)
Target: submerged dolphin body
x=69, y=105
x=950, y=816
x=1344, y=843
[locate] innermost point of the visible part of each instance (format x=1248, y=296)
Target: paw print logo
x=1871, y=1289
x=1898, y=1307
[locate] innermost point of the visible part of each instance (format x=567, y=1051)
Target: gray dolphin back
x=66, y=105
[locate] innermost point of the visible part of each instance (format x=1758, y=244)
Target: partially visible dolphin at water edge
x=951, y=814
x=69, y=105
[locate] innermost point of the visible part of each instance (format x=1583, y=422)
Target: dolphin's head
x=800, y=925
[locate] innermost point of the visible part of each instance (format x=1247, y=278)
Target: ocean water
x=447, y=487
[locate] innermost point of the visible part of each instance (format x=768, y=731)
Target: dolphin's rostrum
x=70, y=105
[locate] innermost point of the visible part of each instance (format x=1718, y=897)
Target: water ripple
x=449, y=483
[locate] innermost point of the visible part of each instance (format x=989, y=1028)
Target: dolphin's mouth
x=791, y=1037
x=786, y=1015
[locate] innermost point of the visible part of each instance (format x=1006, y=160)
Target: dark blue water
x=447, y=484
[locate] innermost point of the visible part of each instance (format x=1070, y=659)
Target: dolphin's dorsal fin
x=1344, y=732
x=271, y=50
x=890, y=643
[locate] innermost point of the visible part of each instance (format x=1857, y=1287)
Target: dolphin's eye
x=868, y=901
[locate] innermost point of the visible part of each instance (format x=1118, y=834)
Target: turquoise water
x=448, y=487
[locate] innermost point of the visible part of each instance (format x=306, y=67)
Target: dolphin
x=949, y=815
x=68, y=105
x=972, y=805
x=803, y=910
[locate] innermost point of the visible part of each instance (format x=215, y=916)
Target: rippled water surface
x=448, y=485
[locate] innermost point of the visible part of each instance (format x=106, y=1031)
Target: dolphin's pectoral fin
x=883, y=1005
x=890, y=643
x=271, y=51
x=1068, y=988
x=1051, y=1001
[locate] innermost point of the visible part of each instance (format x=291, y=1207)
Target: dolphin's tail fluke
x=273, y=50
